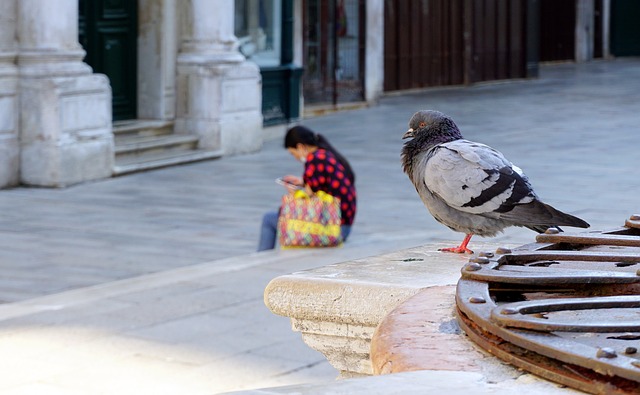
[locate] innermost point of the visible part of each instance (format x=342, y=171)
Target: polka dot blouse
x=323, y=172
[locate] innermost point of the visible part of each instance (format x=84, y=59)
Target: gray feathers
x=468, y=186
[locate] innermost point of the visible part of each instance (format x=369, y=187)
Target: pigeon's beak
x=408, y=134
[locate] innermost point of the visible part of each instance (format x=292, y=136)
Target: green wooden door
x=625, y=29
x=108, y=32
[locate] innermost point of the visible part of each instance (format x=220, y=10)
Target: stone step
x=132, y=164
x=141, y=127
x=150, y=144
x=142, y=145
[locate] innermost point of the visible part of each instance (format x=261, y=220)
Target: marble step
x=132, y=164
x=150, y=144
x=143, y=145
x=141, y=127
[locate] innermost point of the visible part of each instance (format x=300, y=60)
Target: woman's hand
x=293, y=180
x=292, y=183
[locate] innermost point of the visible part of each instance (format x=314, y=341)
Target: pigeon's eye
x=422, y=124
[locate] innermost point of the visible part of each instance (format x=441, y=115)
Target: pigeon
x=471, y=187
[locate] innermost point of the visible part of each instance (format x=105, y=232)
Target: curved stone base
x=422, y=334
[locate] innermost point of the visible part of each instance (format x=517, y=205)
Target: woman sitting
x=325, y=169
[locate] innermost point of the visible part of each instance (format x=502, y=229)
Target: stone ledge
x=342, y=309
x=338, y=307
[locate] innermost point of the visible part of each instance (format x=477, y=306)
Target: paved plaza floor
x=149, y=283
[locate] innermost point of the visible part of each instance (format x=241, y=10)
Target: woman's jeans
x=269, y=228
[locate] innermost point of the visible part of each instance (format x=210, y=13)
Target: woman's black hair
x=302, y=135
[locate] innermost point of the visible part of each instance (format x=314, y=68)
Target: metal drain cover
x=566, y=308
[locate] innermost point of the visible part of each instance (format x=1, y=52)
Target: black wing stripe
x=520, y=191
x=502, y=184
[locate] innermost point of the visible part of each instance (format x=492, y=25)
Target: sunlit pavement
x=148, y=283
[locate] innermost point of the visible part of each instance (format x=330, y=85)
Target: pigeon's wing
x=475, y=178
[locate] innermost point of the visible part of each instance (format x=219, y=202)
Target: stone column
x=219, y=91
x=157, y=51
x=374, y=52
x=584, y=30
x=606, y=28
x=9, y=148
x=65, y=110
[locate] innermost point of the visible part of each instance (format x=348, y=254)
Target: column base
x=66, y=135
x=52, y=64
x=220, y=101
x=9, y=160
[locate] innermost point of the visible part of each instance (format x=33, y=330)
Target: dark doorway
x=598, y=29
x=334, y=33
x=452, y=42
x=558, y=30
x=423, y=44
x=108, y=33
x=625, y=29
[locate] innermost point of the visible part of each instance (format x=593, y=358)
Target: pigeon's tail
x=539, y=217
x=560, y=218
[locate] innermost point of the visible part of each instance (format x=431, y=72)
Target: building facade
x=95, y=88
x=191, y=85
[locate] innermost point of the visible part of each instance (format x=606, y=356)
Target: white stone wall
x=219, y=92
x=65, y=130
x=157, y=52
x=65, y=110
x=9, y=148
x=55, y=114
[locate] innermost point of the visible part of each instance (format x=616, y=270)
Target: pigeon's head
x=432, y=125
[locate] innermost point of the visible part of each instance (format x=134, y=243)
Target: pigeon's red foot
x=462, y=248
x=457, y=250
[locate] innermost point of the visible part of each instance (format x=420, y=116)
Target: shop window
x=258, y=27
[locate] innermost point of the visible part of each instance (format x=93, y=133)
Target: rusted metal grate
x=566, y=308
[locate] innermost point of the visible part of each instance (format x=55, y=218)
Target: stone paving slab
x=200, y=329
x=422, y=382
x=575, y=131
